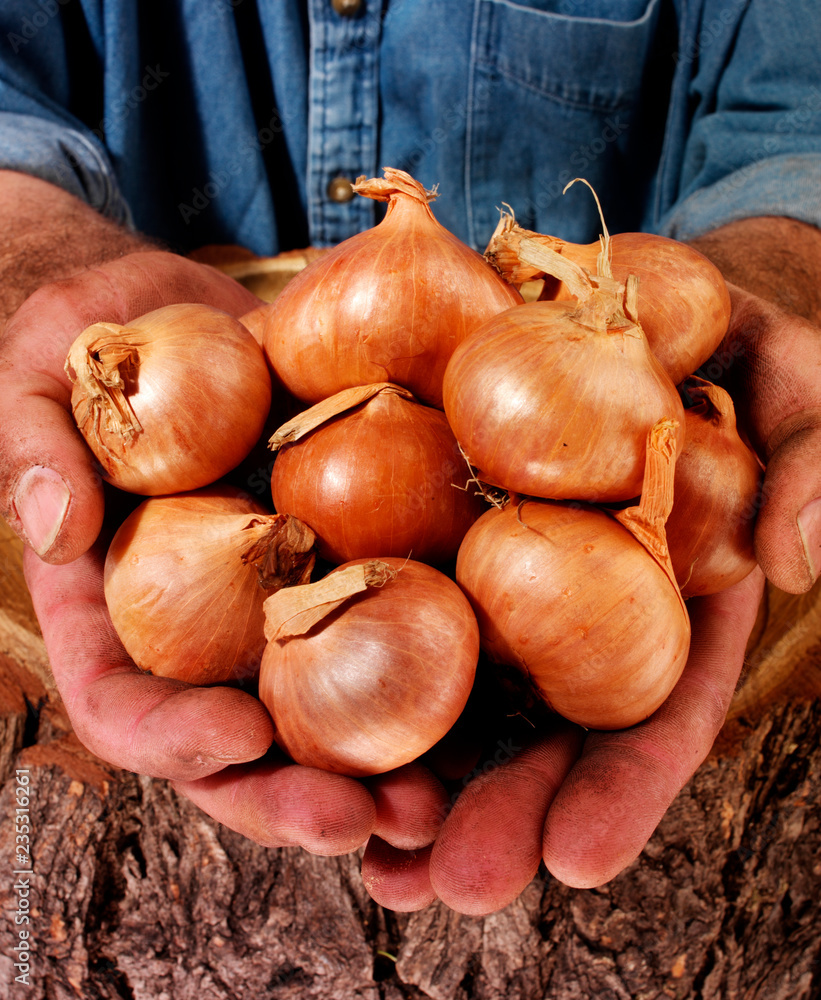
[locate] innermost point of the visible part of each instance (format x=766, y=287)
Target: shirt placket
x=342, y=116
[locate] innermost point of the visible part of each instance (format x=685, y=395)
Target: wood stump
x=135, y=893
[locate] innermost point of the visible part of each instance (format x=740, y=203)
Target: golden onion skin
x=683, y=300
x=198, y=385
x=384, y=479
x=567, y=595
x=180, y=598
x=717, y=494
x=546, y=406
x=387, y=305
x=379, y=681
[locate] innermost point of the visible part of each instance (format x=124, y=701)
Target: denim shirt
x=228, y=121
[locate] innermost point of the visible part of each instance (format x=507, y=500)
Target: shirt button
x=346, y=8
x=340, y=190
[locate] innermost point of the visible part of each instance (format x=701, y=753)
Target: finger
x=50, y=487
x=398, y=880
x=618, y=791
x=788, y=527
x=142, y=723
x=491, y=844
x=51, y=490
x=772, y=370
x=283, y=804
x=766, y=362
x=411, y=805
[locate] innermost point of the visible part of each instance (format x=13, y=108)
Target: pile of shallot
x=464, y=473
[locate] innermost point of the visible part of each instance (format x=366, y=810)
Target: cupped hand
x=771, y=364
x=202, y=739
x=584, y=802
x=213, y=743
x=50, y=487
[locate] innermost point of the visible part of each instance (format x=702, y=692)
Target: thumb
x=51, y=488
x=788, y=528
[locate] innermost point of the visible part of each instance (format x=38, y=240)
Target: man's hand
x=205, y=740
x=50, y=490
x=213, y=743
x=586, y=804
x=770, y=362
x=773, y=372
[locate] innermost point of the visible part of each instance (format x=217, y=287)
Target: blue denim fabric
x=225, y=120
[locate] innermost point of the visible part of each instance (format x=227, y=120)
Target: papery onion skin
x=198, y=384
x=567, y=595
x=179, y=596
x=387, y=305
x=379, y=681
x=683, y=300
x=384, y=479
x=717, y=491
x=544, y=406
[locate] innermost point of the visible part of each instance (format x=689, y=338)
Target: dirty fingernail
x=809, y=527
x=41, y=502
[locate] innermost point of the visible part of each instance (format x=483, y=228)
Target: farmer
x=134, y=133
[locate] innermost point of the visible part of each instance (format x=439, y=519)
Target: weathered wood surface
x=135, y=893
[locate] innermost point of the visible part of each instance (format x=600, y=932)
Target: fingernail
x=809, y=527
x=41, y=502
